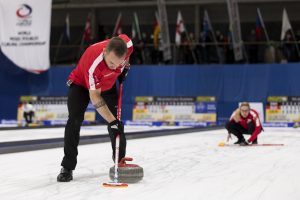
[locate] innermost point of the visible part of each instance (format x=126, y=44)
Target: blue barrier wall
x=229, y=83
x=15, y=82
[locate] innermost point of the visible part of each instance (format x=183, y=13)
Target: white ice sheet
x=179, y=167
x=34, y=134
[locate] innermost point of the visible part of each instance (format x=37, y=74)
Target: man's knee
x=75, y=120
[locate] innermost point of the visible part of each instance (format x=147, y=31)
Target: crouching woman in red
x=244, y=120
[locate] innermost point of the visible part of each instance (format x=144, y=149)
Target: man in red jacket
x=94, y=79
x=244, y=120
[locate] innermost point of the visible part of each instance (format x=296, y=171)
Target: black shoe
x=239, y=141
x=244, y=143
x=65, y=175
x=255, y=141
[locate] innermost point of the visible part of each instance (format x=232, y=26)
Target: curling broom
x=115, y=183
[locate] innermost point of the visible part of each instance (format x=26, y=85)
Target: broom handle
x=119, y=101
x=118, y=136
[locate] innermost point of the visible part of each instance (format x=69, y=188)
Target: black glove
x=123, y=75
x=117, y=128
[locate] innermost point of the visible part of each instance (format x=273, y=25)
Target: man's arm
x=100, y=105
x=114, y=127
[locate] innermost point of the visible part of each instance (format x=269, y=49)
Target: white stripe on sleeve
x=257, y=122
x=92, y=69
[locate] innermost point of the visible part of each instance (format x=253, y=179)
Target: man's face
x=112, y=60
x=245, y=111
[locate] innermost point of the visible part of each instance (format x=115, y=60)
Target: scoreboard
x=51, y=110
x=175, y=110
x=283, y=109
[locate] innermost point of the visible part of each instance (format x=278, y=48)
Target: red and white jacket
x=92, y=72
x=252, y=117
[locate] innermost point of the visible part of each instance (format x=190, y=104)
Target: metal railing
x=192, y=53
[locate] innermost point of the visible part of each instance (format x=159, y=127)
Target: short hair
x=118, y=46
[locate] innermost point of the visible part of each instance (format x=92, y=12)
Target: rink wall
x=229, y=83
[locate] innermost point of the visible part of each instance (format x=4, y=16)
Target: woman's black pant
x=78, y=100
x=238, y=130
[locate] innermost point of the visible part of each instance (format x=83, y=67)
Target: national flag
x=156, y=31
x=118, y=26
x=87, y=34
x=207, y=28
x=133, y=30
x=260, y=26
x=286, y=25
x=67, y=29
x=136, y=27
x=206, y=25
x=179, y=28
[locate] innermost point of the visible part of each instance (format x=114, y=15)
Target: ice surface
x=179, y=167
x=35, y=134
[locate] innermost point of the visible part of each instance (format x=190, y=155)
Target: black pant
x=28, y=116
x=78, y=100
x=238, y=130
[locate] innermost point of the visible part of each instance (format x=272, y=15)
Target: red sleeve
x=258, y=126
x=255, y=133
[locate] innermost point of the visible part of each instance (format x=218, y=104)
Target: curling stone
x=127, y=173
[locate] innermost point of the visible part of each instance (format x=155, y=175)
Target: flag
x=207, y=27
x=136, y=28
x=156, y=31
x=179, y=28
x=133, y=30
x=65, y=35
x=229, y=37
x=260, y=26
x=286, y=25
x=87, y=34
x=67, y=29
x=118, y=26
x=206, y=24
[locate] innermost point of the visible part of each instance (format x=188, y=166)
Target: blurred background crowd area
x=76, y=24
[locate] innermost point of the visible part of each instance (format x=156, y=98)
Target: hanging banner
x=235, y=29
x=25, y=33
x=164, y=27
